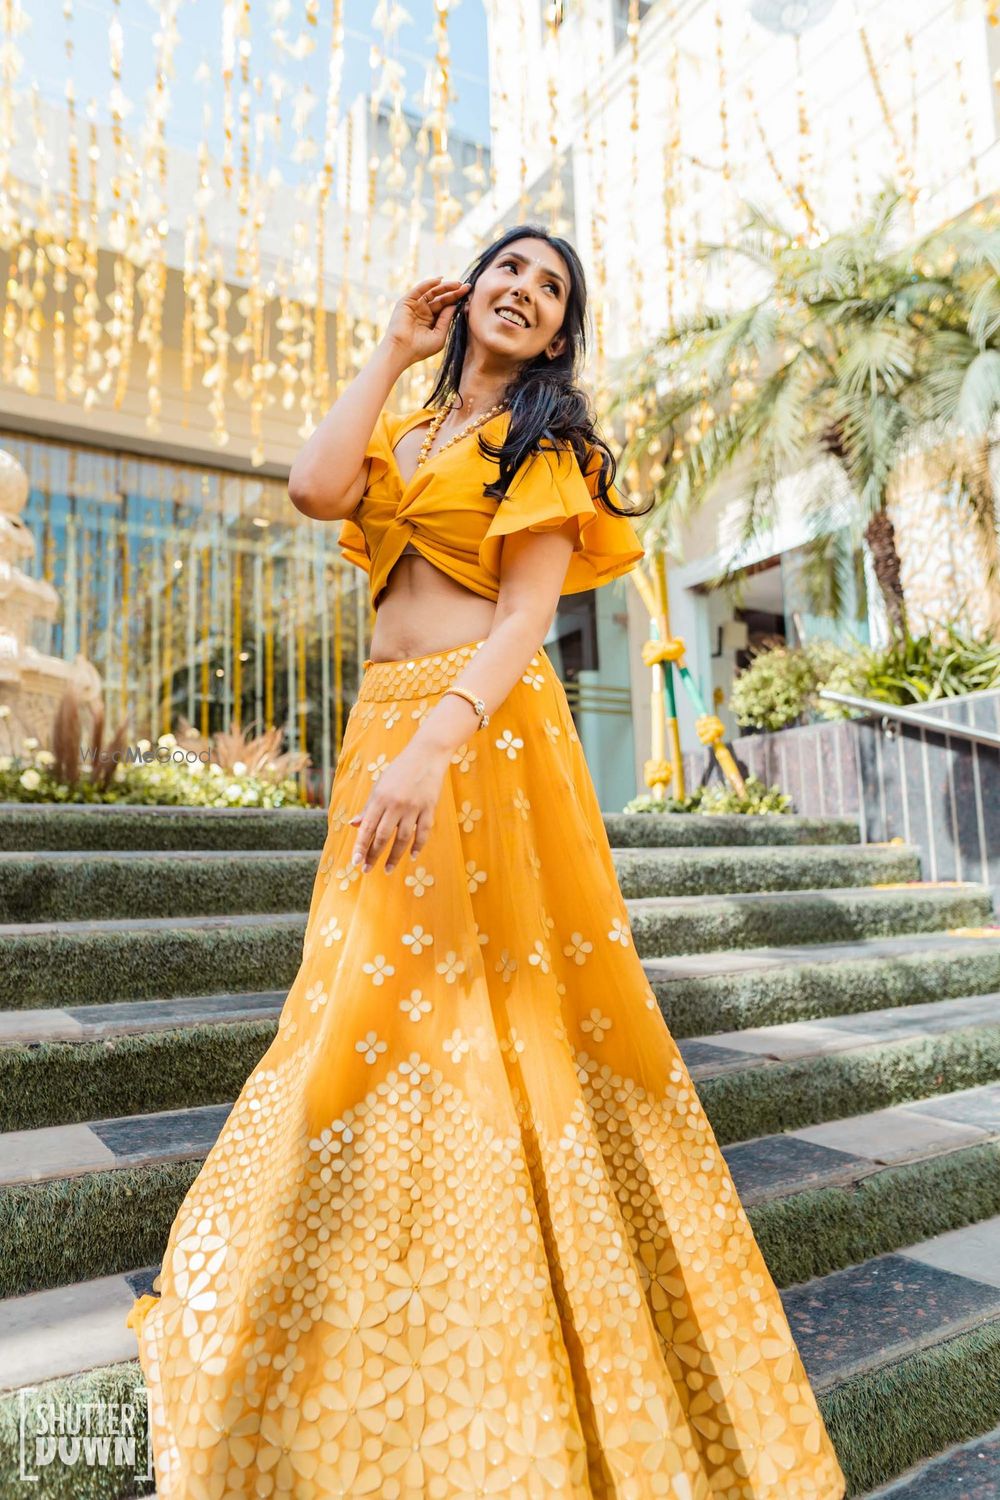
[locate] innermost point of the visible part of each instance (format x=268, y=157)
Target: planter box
x=933, y=789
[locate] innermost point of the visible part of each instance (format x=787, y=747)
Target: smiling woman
x=467, y=1229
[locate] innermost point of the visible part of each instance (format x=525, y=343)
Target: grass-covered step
x=36, y=826
x=181, y=883
x=700, y=830
x=66, y=887
x=966, y=1471
x=55, y=1083
x=717, y=871
x=816, y=1080
x=668, y=925
x=81, y=1201
x=728, y=991
x=50, y=964
x=117, y=826
x=26, y=1028
x=904, y=1353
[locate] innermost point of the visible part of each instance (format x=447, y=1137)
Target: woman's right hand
x=419, y=323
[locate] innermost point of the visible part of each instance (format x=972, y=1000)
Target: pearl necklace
x=436, y=422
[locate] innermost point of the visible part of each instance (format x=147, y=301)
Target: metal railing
x=914, y=717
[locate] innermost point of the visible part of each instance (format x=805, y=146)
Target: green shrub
x=779, y=686
x=719, y=797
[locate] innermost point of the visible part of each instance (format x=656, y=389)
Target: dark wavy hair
x=546, y=405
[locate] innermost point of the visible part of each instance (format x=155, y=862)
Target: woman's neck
x=478, y=390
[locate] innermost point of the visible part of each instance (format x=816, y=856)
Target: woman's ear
x=556, y=347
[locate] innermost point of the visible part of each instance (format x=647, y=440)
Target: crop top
x=443, y=514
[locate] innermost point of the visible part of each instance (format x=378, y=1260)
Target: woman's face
x=517, y=307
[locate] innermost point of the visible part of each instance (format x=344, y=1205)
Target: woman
x=467, y=1230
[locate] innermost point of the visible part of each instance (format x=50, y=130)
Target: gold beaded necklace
x=469, y=427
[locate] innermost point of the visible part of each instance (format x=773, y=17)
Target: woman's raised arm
x=328, y=477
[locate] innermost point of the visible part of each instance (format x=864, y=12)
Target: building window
x=620, y=13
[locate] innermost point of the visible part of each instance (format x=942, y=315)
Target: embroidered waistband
x=417, y=676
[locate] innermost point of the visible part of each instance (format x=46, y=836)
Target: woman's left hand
x=400, y=807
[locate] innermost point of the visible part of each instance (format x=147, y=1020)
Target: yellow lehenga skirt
x=467, y=1231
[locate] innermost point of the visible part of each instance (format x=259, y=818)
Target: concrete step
x=719, y=871
x=71, y=886
x=926, y=1164
x=46, y=964
x=864, y=1333
x=664, y=926
x=35, y=826
x=94, y=963
x=698, y=993
x=733, y=989
x=966, y=1471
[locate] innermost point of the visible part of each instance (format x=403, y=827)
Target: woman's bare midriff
x=422, y=610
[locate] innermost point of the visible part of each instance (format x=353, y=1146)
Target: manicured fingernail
x=366, y=868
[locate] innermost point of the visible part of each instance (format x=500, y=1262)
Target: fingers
x=376, y=830
x=403, y=835
x=425, y=822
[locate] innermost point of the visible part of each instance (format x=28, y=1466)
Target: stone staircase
x=840, y=1018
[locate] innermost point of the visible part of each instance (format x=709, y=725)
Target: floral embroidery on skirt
x=467, y=1230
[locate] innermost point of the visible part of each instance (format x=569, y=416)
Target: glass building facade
x=202, y=596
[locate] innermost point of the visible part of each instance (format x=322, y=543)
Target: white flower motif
x=464, y=757
x=338, y=818
x=451, y=966
x=597, y=1024
x=421, y=880
x=535, y=863
x=541, y=956
x=380, y=969
x=415, y=1005
x=552, y=730
x=577, y=948
x=509, y=744
x=421, y=711
x=367, y=713
x=534, y=679
x=506, y=966
x=370, y=1045
x=512, y=1043
x=468, y=816
x=475, y=877
x=354, y=764
x=521, y=803
x=390, y=715
x=619, y=932
x=456, y=1045
x=377, y=766
x=331, y=932
x=347, y=875
x=317, y=996
x=547, y=922
x=417, y=939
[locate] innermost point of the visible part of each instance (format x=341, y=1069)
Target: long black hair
x=546, y=405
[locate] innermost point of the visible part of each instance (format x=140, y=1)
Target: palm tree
x=861, y=350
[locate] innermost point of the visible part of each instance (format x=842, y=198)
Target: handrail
x=914, y=717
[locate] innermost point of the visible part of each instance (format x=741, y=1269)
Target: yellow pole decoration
x=663, y=622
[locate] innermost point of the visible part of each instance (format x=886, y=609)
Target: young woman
x=467, y=1230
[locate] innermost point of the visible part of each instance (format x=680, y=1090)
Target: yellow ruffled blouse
x=443, y=513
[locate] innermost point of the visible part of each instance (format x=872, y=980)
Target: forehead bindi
x=528, y=256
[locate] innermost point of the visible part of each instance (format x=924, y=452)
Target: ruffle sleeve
x=550, y=490
x=351, y=538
